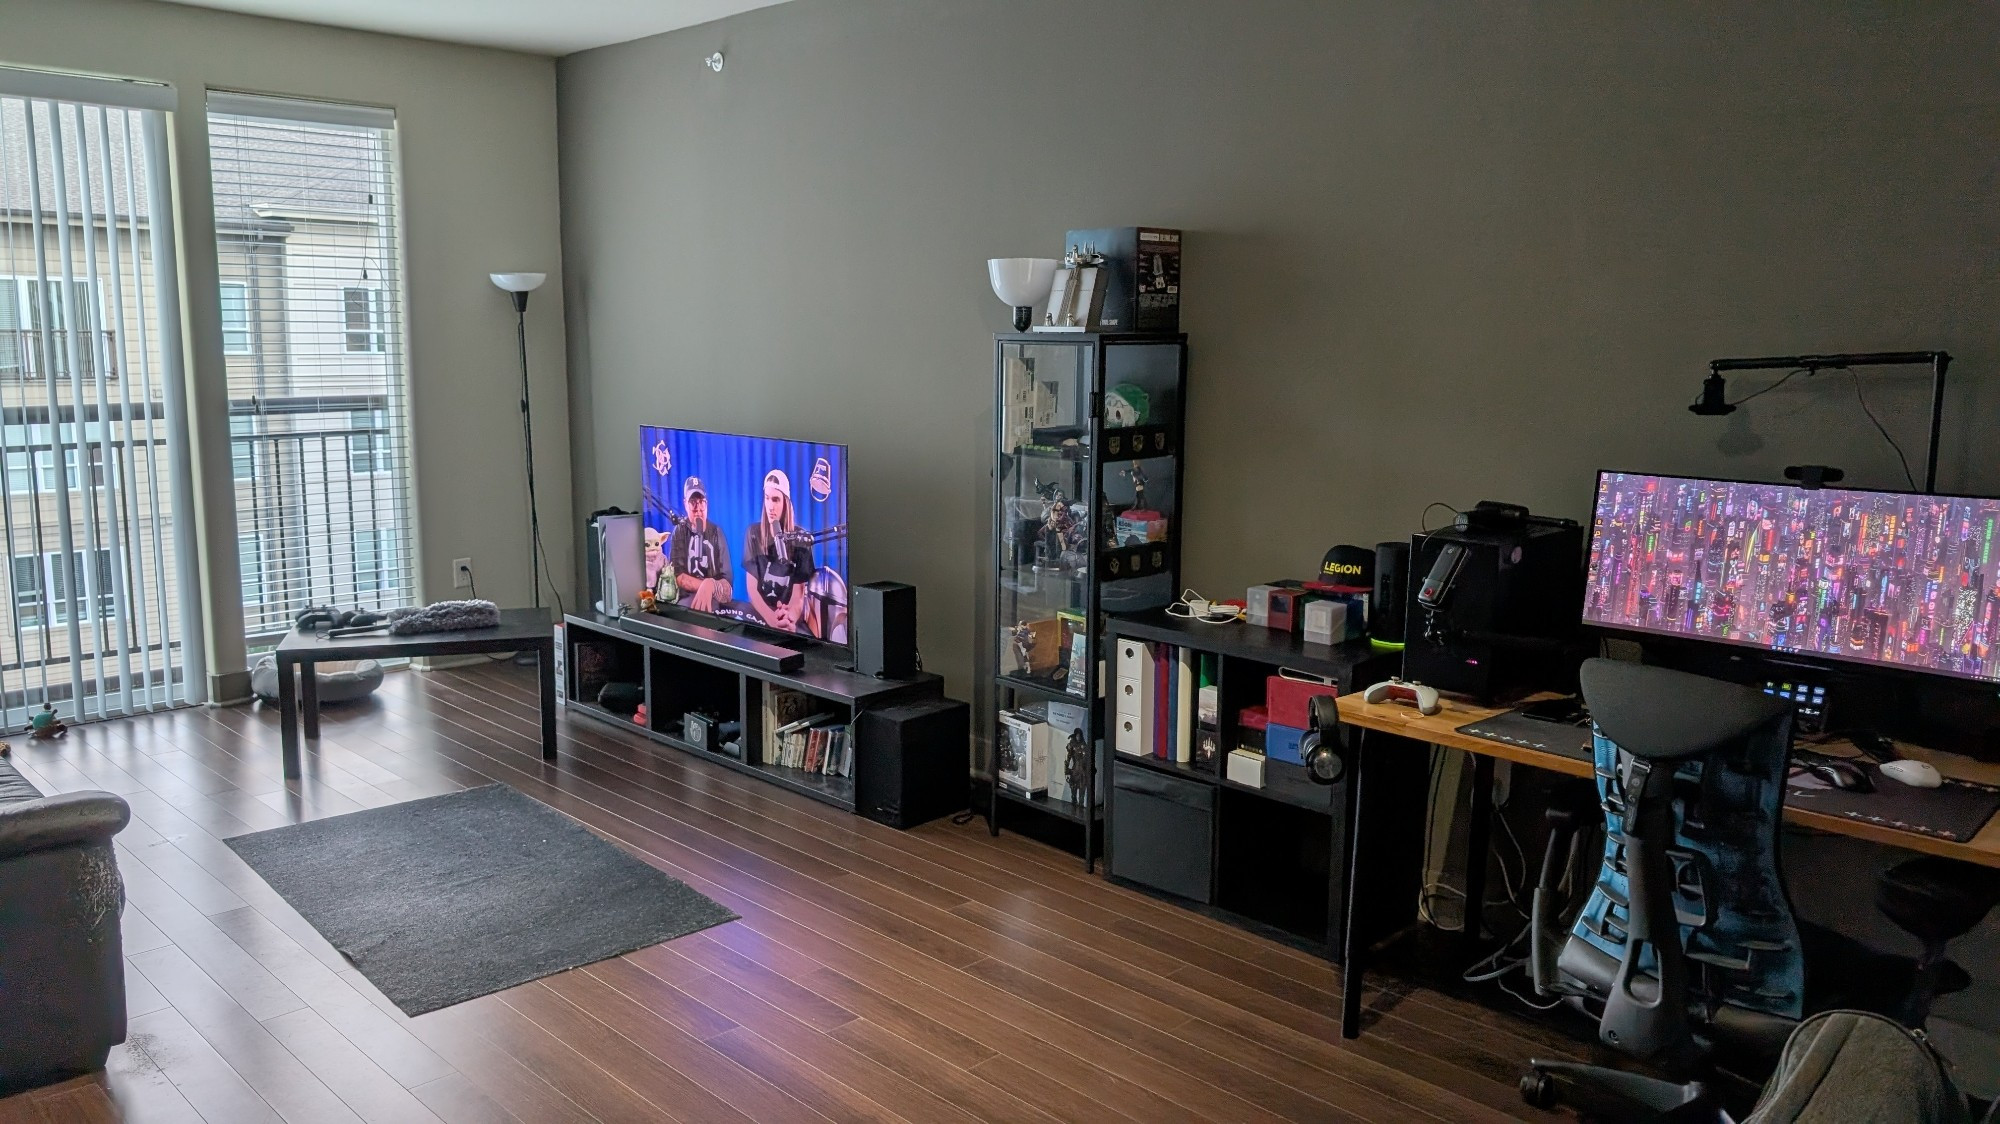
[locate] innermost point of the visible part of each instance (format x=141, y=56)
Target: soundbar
x=714, y=642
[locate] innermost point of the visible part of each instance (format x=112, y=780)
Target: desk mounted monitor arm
x=1714, y=400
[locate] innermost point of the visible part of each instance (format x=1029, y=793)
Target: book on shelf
x=820, y=744
x=783, y=707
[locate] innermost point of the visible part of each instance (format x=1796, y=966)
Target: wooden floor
x=928, y=976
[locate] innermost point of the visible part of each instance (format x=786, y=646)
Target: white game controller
x=1425, y=699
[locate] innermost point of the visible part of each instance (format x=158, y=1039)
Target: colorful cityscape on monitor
x=1885, y=578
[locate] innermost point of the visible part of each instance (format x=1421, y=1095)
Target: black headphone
x=1319, y=749
x=334, y=618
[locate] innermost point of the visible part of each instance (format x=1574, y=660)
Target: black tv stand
x=905, y=771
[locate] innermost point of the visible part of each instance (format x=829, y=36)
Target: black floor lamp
x=518, y=286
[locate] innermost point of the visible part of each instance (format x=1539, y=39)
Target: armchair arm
x=59, y=820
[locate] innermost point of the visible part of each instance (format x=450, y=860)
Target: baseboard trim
x=229, y=688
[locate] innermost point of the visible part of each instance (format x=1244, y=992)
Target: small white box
x=1128, y=735
x=1023, y=749
x=1246, y=768
x=1257, y=605
x=1326, y=622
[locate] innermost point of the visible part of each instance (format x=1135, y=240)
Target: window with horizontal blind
x=103, y=616
x=306, y=244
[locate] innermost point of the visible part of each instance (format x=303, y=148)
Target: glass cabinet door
x=1139, y=488
x=1046, y=496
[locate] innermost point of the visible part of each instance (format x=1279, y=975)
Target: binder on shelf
x=1185, y=707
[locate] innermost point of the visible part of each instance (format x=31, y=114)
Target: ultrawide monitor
x=749, y=529
x=1891, y=579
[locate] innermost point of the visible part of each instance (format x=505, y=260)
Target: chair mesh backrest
x=1660, y=714
x=1729, y=759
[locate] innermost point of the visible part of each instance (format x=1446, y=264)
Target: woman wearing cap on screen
x=779, y=565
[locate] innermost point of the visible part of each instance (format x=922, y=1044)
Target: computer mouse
x=1843, y=775
x=1916, y=774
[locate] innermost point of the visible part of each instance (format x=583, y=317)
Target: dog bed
x=339, y=680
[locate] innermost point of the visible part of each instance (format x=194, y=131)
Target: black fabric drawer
x=1164, y=831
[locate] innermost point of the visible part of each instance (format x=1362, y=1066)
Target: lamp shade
x=1021, y=281
x=519, y=282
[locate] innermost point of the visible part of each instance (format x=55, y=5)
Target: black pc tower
x=1495, y=605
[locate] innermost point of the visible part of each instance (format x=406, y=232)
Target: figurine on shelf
x=1076, y=766
x=1107, y=517
x=1059, y=525
x=1137, y=475
x=1024, y=645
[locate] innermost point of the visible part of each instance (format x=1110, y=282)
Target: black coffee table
x=519, y=630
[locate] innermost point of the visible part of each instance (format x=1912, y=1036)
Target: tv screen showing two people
x=751, y=529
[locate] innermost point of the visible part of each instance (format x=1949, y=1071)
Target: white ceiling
x=544, y=27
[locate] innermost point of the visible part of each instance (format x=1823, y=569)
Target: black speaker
x=1392, y=582
x=913, y=761
x=882, y=622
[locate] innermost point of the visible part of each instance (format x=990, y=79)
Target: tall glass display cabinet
x=1087, y=520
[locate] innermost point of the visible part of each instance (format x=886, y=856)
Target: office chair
x=1687, y=944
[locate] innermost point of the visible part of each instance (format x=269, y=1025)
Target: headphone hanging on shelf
x=1319, y=749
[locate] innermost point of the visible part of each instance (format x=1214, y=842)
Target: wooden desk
x=1441, y=729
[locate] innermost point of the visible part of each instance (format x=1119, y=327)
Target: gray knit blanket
x=443, y=616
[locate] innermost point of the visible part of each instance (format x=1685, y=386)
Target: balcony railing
x=322, y=508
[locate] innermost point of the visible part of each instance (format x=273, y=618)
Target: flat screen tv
x=747, y=529
x=1890, y=579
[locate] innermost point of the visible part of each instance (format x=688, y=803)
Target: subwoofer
x=913, y=761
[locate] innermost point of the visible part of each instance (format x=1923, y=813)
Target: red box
x=1253, y=718
x=1289, y=701
x=1287, y=609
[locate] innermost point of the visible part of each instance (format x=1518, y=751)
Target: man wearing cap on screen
x=699, y=554
x=778, y=564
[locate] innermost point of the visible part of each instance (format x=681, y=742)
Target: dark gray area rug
x=446, y=899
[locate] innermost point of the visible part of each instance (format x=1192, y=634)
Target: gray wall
x=477, y=135
x=1434, y=252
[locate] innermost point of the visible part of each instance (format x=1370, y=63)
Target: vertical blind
x=312, y=325
x=102, y=617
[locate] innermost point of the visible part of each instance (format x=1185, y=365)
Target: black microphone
x=1714, y=401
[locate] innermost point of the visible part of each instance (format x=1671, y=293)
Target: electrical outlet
x=461, y=573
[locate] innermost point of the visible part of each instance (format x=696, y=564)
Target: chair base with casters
x=1616, y=1093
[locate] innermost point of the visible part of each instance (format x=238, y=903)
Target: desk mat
x=1515, y=728
x=1955, y=810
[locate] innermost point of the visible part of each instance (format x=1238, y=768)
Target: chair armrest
x=59, y=820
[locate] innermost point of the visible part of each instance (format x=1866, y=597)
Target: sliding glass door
x=101, y=616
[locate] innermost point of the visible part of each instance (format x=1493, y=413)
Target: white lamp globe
x=1021, y=281
x=519, y=282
